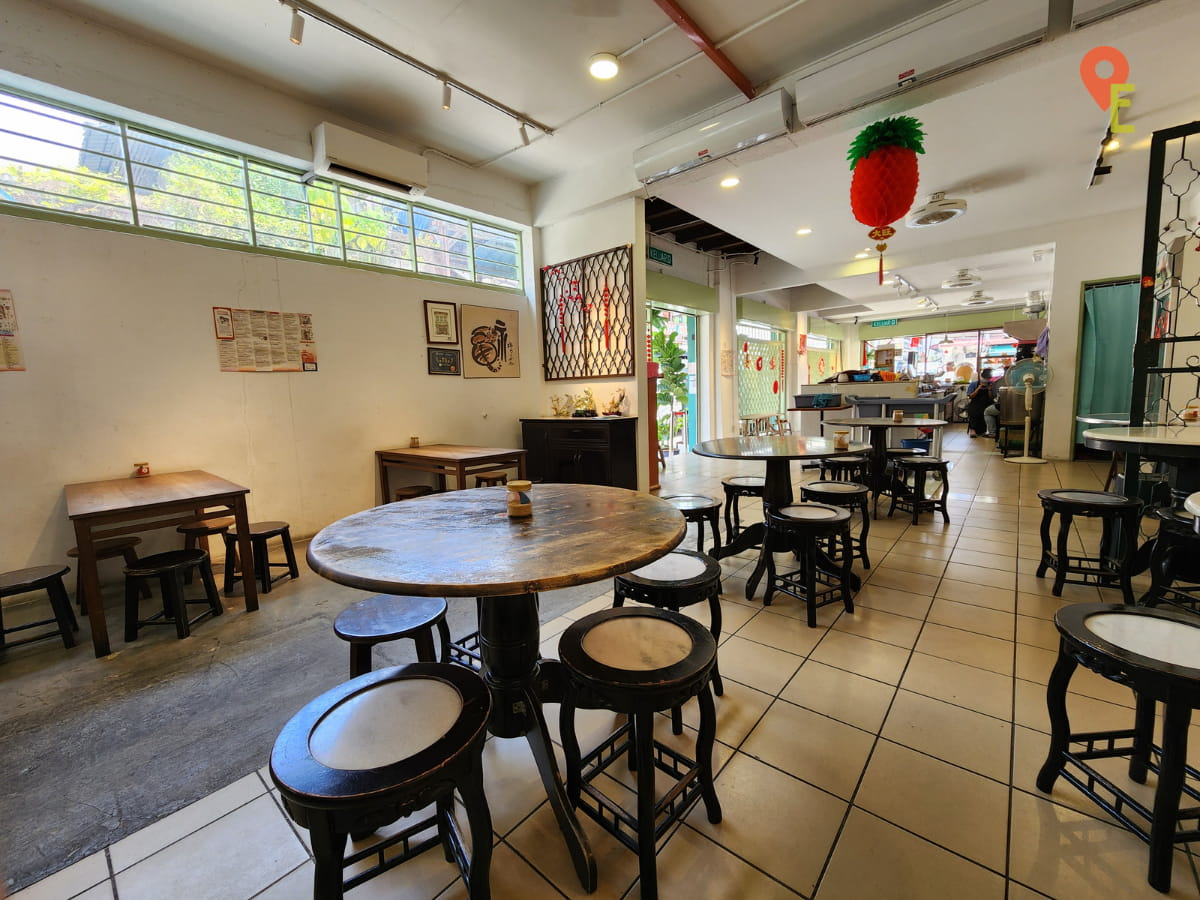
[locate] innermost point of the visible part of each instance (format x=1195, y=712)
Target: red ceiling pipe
x=688, y=26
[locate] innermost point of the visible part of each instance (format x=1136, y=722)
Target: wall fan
x=1032, y=376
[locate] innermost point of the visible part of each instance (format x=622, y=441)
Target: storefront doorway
x=673, y=347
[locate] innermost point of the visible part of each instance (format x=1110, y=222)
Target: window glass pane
x=189, y=189
x=291, y=215
x=497, y=256
x=377, y=230
x=63, y=161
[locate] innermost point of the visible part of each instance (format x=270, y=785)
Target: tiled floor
x=888, y=753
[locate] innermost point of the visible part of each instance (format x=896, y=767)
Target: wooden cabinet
x=582, y=451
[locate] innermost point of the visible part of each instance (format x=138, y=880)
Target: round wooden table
x=878, y=427
x=463, y=544
x=777, y=451
x=1177, y=445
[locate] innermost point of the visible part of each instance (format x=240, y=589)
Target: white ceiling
x=1015, y=138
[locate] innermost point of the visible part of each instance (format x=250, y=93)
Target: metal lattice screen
x=761, y=376
x=1167, y=353
x=587, y=316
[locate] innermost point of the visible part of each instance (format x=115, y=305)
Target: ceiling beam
x=689, y=27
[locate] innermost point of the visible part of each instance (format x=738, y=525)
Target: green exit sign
x=659, y=256
x=883, y=323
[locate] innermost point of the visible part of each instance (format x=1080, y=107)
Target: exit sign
x=659, y=256
x=883, y=323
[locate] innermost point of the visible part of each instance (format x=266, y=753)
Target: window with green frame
x=71, y=162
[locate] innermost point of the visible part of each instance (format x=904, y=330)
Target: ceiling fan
x=963, y=278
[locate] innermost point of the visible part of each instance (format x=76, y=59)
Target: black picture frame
x=441, y=322
x=443, y=361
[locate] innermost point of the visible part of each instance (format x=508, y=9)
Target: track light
x=524, y=135
x=297, y=35
x=445, y=95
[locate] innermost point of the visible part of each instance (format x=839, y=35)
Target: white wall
x=122, y=366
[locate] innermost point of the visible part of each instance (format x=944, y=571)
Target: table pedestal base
x=509, y=636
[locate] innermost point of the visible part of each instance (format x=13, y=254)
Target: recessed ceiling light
x=1114, y=144
x=803, y=231
x=731, y=181
x=603, y=66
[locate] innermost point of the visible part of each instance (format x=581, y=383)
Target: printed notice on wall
x=11, y=359
x=261, y=340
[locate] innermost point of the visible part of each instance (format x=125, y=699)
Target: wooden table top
x=775, y=446
x=881, y=421
x=1176, y=441
x=450, y=452
x=93, y=498
x=463, y=543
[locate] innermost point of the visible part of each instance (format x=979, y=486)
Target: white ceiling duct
x=964, y=278
x=938, y=210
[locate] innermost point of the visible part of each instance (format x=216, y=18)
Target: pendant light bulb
x=445, y=95
x=524, y=135
x=297, y=35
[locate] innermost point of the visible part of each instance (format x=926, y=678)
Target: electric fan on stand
x=1032, y=376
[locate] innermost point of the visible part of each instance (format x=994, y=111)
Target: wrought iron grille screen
x=760, y=376
x=1167, y=353
x=587, y=316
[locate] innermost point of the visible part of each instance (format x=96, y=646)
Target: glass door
x=673, y=347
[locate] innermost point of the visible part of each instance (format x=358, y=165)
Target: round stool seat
x=386, y=617
x=745, y=482
x=492, y=480
x=206, y=526
x=163, y=563
x=110, y=547
x=261, y=529
x=680, y=570
x=920, y=462
x=842, y=489
x=898, y=452
x=1085, y=503
x=409, y=491
x=31, y=579
x=812, y=517
x=838, y=461
x=693, y=503
x=699, y=508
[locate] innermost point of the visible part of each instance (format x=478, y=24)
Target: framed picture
x=441, y=324
x=444, y=362
x=491, y=340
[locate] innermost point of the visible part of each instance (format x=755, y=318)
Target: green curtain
x=1106, y=353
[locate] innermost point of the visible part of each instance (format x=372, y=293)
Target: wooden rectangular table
x=104, y=509
x=447, y=459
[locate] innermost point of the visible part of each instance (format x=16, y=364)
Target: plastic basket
x=917, y=444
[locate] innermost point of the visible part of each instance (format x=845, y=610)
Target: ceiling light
x=731, y=181
x=445, y=95
x=297, y=35
x=524, y=135
x=1114, y=144
x=803, y=231
x=863, y=255
x=603, y=66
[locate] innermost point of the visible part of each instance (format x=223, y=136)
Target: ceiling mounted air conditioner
x=748, y=125
x=352, y=158
x=936, y=211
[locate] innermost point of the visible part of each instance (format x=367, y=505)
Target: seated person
x=979, y=399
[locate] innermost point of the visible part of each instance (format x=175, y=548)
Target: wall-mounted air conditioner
x=951, y=38
x=762, y=119
x=349, y=157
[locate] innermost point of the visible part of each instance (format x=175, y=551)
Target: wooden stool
x=110, y=548
x=493, y=480
x=260, y=533
x=408, y=491
x=737, y=487
x=378, y=748
x=678, y=579
x=1115, y=562
x=197, y=532
x=844, y=468
x=913, y=498
x=39, y=578
x=802, y=528
x=1156, y=653
x=386, y=617
x=848, y=495
x=1175, y=558
x=169, y=569
x=699, y=509
x=638, y=661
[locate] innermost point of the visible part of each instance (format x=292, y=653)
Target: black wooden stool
x=493, y=480
x=1174, y=561
x=844, y=468
x=803, y=528
x=378, y=748
x=39, y=578
x=1115, y=562
x=386, y=617
x=639, y=661
x=1155, y=652
x=699, y=509
x=912, y=497
x=848, y=495
x=196, y=534
x=260, y=533
x=169, y=569
x=736, y=487
x=672, y=582
x=409, y=491
x=110, y=548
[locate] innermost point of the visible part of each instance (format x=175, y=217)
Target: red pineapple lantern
x=884, y=159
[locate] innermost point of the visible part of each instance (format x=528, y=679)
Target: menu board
x=262, y=340
x=11, y=359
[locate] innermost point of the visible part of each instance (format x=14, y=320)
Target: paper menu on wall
x=260, y=340
x=11, y=358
